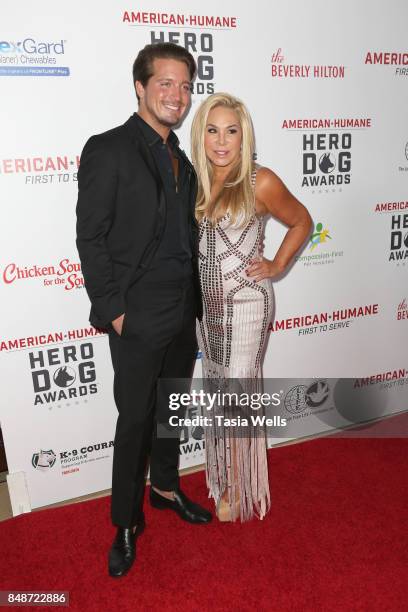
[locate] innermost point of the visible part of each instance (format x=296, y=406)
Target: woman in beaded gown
x=234, y=198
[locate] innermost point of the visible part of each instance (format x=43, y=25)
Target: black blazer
x=121, y=213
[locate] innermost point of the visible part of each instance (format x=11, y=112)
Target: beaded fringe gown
x=232, y=336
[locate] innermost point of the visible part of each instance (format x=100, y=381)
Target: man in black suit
x=138, y=242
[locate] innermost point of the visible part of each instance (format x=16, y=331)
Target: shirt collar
x=153, y=137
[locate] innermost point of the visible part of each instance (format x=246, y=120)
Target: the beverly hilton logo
x=281, y=69
x=402, y=310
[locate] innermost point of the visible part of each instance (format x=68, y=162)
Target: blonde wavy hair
x=238, y=192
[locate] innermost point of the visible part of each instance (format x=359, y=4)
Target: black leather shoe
x=184, y=507
x=123, y=551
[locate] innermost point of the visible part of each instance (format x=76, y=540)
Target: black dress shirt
x=172, y=260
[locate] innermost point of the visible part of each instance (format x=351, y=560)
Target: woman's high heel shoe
x=224, y=511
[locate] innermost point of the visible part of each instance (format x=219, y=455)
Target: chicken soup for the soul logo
x=65, y=273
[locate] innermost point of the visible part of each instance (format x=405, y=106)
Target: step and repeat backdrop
x=326, y=85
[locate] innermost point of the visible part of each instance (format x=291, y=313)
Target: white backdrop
x=327, y=89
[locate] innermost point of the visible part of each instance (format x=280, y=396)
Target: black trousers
x=158, y=341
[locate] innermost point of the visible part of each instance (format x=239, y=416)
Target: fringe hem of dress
x=234, y=463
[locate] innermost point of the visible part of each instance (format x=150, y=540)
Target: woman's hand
x=264, y=268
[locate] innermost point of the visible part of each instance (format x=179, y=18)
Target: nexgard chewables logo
x=32, y=57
